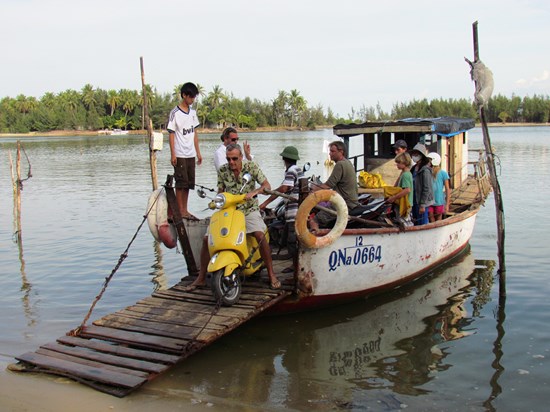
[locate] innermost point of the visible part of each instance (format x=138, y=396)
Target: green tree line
x=95, y=109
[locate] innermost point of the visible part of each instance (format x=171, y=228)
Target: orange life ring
x=308, y=239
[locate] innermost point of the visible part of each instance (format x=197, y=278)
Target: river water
x=446, y=342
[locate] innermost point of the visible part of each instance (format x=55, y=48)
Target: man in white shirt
x=228, y=136
x=184, y=146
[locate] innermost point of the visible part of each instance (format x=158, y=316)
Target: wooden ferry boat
x=369, y=260
x=122, y=351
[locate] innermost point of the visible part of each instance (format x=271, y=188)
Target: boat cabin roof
x=442, y=126
x=370, y=144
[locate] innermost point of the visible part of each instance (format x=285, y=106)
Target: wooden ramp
x=123, y=350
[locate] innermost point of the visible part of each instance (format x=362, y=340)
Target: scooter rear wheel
x=226, y=288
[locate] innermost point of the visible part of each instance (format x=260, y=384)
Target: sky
x=340, y=54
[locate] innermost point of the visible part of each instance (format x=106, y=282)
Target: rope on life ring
x=308, y=239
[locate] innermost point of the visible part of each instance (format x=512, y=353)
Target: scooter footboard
x=226, y=259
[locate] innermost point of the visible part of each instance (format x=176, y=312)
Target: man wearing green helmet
x=289, y=186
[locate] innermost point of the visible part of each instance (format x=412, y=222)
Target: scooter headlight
x=219, y=201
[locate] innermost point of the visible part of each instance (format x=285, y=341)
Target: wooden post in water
x=149, y=126
x=492, y=171
x=180, y=227
x=17, y=193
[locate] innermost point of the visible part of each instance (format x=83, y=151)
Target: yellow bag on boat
x=370, y=180
x=403, y=202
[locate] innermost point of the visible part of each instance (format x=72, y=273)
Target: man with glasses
x=228, y=136
x=230, y=179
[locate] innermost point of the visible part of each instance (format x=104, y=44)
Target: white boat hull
x=366, y=261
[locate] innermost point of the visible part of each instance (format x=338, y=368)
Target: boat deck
x=473, y=191
x=123, y=350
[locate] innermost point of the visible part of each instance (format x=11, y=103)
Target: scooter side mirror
x=201, y=193
x=306, y=167
x=246, y=179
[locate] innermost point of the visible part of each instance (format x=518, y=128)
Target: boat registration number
x=358, y=254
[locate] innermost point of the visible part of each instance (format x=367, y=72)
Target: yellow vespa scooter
x=233, y=253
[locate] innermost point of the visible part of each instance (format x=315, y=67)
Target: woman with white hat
x=423, y=184
x=442, y=189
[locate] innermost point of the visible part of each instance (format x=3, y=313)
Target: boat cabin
x=370, y=144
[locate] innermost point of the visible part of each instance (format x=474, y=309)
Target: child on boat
x=423, y=184
x=442, y=189
x=403, y=162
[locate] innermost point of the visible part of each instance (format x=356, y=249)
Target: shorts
x=437, y=210
x=184, y=173
x=255, y=222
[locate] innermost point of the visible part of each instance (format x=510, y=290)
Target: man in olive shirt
x=343, y=180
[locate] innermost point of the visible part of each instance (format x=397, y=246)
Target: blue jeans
x=420, y=219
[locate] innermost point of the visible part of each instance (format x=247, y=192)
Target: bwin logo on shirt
x=188, y=131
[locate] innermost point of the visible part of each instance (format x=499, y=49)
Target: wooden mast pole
x=149, y=126
x=499, y=206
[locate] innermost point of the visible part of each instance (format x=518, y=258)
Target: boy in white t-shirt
x=184, y=146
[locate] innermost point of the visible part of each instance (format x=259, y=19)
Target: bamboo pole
x=149, y=124
x=18, y=193
x=497, y=194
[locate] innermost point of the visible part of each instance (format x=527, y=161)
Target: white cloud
x=542, y=80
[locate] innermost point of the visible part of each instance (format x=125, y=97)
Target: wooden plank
x=188, y=316
x=153, y=329
x=190, y=296
x=191, y=307
x=244, y=301
x=83, y=371
x=162, y=323
x=88, y=362
x=170, y=317
x=119, y=350
x=249, y=288
x=137, y=339
x=106, y=358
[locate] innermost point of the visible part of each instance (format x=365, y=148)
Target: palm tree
x=202, y=113
x=202, y=91
x=48, y=100
x=121, y=123
x=177, y=92
x=25, y=104
x=297, y=106
x=280, y=105
x=129, y=99
x=88, y=96
x=70, y=100
x=215, y=97
x=113, y=100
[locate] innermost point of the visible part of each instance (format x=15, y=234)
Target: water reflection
x=393, y=342
x=17, y=184
x=159, y=278
x=498, y=353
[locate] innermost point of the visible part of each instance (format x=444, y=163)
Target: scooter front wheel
x=226, y=288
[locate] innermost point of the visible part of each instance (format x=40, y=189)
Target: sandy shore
x=57, y=133
x=22, y=391
x=54, y=133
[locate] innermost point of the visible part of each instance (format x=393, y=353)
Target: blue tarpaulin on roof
x=443, y=126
